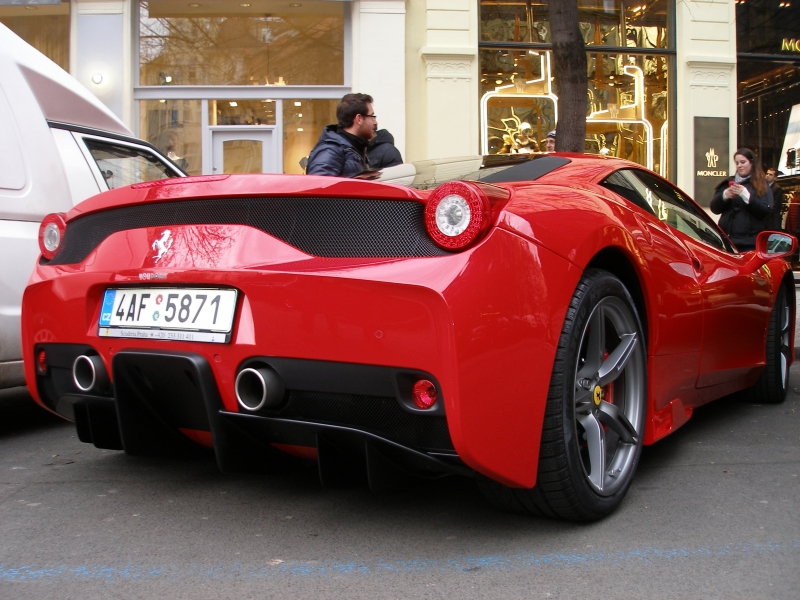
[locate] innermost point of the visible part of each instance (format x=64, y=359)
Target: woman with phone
x=744, y=201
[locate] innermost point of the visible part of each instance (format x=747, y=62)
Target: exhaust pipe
x=89, y=373
x=257, y=388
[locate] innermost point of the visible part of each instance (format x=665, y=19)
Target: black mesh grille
x=378, y=415
x=329, y=227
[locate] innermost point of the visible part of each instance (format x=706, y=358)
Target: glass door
x=245, y=149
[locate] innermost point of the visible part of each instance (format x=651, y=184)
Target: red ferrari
x=530, y=321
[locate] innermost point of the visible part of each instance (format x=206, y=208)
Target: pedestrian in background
x=550, y=141
x=341, y=150
x=744, y=201
x=382, y=152
x=779, y=207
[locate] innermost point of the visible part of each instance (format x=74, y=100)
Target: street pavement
x=712, y=513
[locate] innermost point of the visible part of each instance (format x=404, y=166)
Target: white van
x=58, y=145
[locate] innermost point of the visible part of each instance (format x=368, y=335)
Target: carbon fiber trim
x=326, y=227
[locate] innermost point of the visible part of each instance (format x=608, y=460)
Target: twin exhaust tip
x=257, y=388
x=89, y=373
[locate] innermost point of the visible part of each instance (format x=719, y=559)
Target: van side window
x=124, y=165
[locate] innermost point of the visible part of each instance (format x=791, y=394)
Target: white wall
x=451, y=69
x=379, y=59
x=100, y=42
x=706, y=76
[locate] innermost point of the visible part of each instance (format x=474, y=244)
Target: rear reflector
x=424, y=394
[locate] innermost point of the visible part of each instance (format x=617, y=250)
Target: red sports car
x=531, y=321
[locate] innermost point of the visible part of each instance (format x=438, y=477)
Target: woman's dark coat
x=742, y=221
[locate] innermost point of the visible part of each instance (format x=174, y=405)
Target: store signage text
x=711, y=156
x=788, y=45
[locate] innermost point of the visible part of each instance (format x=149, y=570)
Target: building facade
x=229, y=86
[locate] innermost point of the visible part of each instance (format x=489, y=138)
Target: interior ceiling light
x=194, y=5
x=32, y=7
x=245, y=5
x=295, y=5
x=233, y=104
x=298, y=104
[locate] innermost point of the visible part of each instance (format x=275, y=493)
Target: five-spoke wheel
x=595, y=413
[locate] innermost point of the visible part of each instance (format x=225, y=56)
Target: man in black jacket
x=382, y=152
x=775, y=218
x=341, y=150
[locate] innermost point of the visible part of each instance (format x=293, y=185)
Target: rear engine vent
x=327, y=227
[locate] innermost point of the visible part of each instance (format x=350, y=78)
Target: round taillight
x=51, y=234
x=456, y=214
x=41, y=361
x=424, y=394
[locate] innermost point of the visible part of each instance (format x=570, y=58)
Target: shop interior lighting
x=295, y=5
x=298, y=104
x=97, y=78
x=234, y=104
x=300, y=129
x=194, y=5
x=245, y=5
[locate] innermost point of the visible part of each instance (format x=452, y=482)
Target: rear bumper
x=483, y=324
x=164, y=403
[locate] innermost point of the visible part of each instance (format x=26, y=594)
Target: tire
x=595, y=414
x=773, y=383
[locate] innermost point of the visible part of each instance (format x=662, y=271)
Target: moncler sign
x=710, y=156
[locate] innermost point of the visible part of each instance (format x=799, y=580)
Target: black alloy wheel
x=773, y=383
x=596, y=406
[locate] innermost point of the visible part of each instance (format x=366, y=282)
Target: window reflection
x=303, y=122
x=241, y=112
x=46, y=29
x=174, y=127
x=641, y=24
x=191, y=44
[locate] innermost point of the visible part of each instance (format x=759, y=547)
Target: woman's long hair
x=756, y=173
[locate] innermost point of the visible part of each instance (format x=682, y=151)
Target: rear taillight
x=460, y=212
x=51, y=234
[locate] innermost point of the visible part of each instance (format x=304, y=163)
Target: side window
x=123, y=165
x=626, y=185
x=670, y=206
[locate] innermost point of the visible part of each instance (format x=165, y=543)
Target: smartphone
x=731, y=182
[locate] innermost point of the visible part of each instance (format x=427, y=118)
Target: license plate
x=183, y=314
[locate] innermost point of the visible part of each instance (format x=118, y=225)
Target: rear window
x=123, y=165
x=495, y=168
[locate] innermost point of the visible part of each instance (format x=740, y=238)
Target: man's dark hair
x=349, y=106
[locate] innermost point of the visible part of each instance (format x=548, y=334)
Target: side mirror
x=771, y=244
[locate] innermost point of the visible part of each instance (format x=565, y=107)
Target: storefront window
x=768, y=72
x=627, y=94
x=175, y=128
x=303, y=122
x=45, y=27
x=602, y=22
x=241, y=112
x=626, y=104
x=224, y=44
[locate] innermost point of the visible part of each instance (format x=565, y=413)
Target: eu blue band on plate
x=108, y=307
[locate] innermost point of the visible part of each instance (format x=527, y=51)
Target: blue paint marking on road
x=132, y=572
